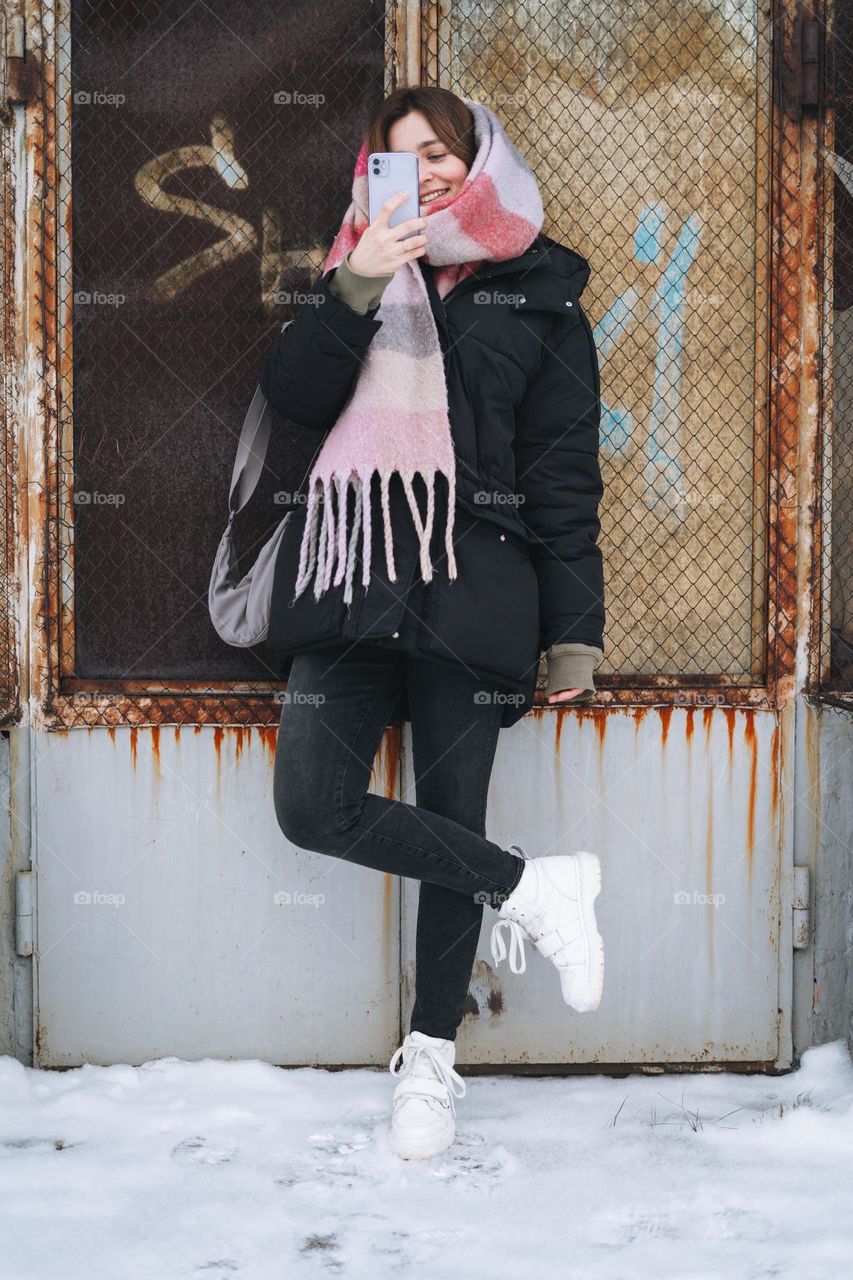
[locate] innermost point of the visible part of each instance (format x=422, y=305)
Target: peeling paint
x=485, y=996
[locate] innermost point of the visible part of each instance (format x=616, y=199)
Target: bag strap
x=252, y=451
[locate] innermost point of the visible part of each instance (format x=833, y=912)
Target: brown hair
x=449, y=116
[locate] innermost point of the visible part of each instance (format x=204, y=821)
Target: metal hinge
x=24, y=885
x=18, y=72
x=802, y=921
x=810, y=60
x=803, y=55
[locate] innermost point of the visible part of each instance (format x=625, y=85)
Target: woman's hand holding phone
x=382, y=249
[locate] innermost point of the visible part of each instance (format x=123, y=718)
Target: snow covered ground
x=238, y=1169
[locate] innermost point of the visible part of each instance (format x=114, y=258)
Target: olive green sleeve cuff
x=361, y=293
x=571, y=666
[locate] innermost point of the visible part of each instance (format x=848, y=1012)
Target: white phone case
x=387, y=173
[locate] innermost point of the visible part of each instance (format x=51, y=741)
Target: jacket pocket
x=488, y=615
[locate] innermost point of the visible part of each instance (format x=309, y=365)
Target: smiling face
x=440, y=173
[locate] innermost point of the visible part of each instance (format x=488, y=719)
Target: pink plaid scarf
x=397, y=417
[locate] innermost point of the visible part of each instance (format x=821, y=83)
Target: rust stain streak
x=598, y=716
x=388, y=922
x=389, y=762
x=709, y=859
x=558, y=730
x=390, y=752
x=707, y=725
x=599, y=719
x=665, y=717
x=775, y=797
x=752, y=745
x=730, y=726
x=268, y=735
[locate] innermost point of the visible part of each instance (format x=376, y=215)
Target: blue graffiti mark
x=617, y=425
x=663, y=472
x=648, y=236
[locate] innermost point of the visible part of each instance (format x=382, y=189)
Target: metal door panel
x=686, y=820
x=159, y=860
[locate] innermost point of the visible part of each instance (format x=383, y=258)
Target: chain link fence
x=10, y=709
x=648, y=138
x=210, y=152
x=204, y=164
x=835, y=223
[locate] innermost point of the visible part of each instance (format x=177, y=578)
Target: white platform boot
x=553, y=905
x=423, y=1120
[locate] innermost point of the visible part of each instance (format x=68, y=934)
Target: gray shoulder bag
x=240, y=608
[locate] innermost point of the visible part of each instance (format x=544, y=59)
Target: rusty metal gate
x=172, y=179
x=831, y=666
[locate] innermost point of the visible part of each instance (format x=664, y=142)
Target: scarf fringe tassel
x=329, y=550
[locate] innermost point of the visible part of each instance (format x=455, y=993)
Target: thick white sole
x=587, y=995
x=422, y=1146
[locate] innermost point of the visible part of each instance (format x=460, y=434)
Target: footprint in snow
x=195, y=1150
x=470, y=1161
x=323, y=1247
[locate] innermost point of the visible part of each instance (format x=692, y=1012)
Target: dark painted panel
x=168, y=343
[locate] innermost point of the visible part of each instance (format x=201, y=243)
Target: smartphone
x=387, y=173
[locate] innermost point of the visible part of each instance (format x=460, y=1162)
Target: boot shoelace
x=517, y=958
x=446, y=1074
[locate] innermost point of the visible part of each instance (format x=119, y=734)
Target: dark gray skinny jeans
x=340, y=700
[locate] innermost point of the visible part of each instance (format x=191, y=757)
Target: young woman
x=448, y=539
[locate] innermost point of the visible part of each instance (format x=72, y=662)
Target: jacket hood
x=561, y=261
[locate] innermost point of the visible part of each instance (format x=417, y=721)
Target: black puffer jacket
x=524, y=398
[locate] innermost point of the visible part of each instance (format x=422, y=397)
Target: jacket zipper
x=440, y=315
